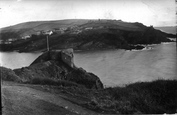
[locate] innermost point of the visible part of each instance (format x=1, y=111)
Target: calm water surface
x=17, y=60
x=118, y=67
x=115, y=67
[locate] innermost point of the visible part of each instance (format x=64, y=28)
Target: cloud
x=19, y=0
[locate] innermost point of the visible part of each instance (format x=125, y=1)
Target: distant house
x=25, y=37
x=11, y=39
x=48, y=32
x=60, y=30
x=88, y=28
x=7, y=42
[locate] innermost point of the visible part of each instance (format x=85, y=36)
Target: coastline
x=118, y=99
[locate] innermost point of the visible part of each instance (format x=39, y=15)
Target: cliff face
x=53, y=65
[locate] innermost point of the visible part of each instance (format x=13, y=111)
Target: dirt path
x=21, y=100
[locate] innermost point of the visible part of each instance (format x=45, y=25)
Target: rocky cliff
x=51, y=65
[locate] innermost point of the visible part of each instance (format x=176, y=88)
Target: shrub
x=9, y=75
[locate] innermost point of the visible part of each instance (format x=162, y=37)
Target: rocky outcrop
x=53, y=65
x=58, y=55
x=80, y=76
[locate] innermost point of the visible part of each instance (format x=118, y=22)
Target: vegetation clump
x=143, y=97
x=156, y=97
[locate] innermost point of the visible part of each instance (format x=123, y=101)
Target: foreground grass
x=145, y=97
x=49, y=81
x=155, y=97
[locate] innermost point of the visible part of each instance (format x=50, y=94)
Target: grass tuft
x=48, y=81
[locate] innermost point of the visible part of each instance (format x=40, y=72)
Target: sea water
x=114, y=67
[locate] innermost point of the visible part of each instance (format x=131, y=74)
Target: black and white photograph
x=88, y=57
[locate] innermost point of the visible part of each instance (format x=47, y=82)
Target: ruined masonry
x=65, y=55
x=68, y=57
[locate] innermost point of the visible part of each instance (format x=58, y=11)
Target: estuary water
x=115, y=67
x=119, y=67
x=15, y=60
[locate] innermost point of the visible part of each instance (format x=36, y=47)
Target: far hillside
x=80, y=34
x=35, y=27
x=168, y=29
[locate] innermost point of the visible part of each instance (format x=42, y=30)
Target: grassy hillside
x=27, y=28
x=80, y=35
x=156, y=97
x=35, y=26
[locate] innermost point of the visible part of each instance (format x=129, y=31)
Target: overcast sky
x=148, y=12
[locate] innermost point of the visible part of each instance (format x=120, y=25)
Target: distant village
x=72, y=30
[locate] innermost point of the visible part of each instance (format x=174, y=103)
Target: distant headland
x=80, y=34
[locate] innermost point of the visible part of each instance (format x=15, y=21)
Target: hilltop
x=79, y=34
x=33, y=27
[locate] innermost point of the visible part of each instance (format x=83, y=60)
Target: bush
x=9, y=75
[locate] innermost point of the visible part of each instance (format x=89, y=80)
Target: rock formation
x=58, y=65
